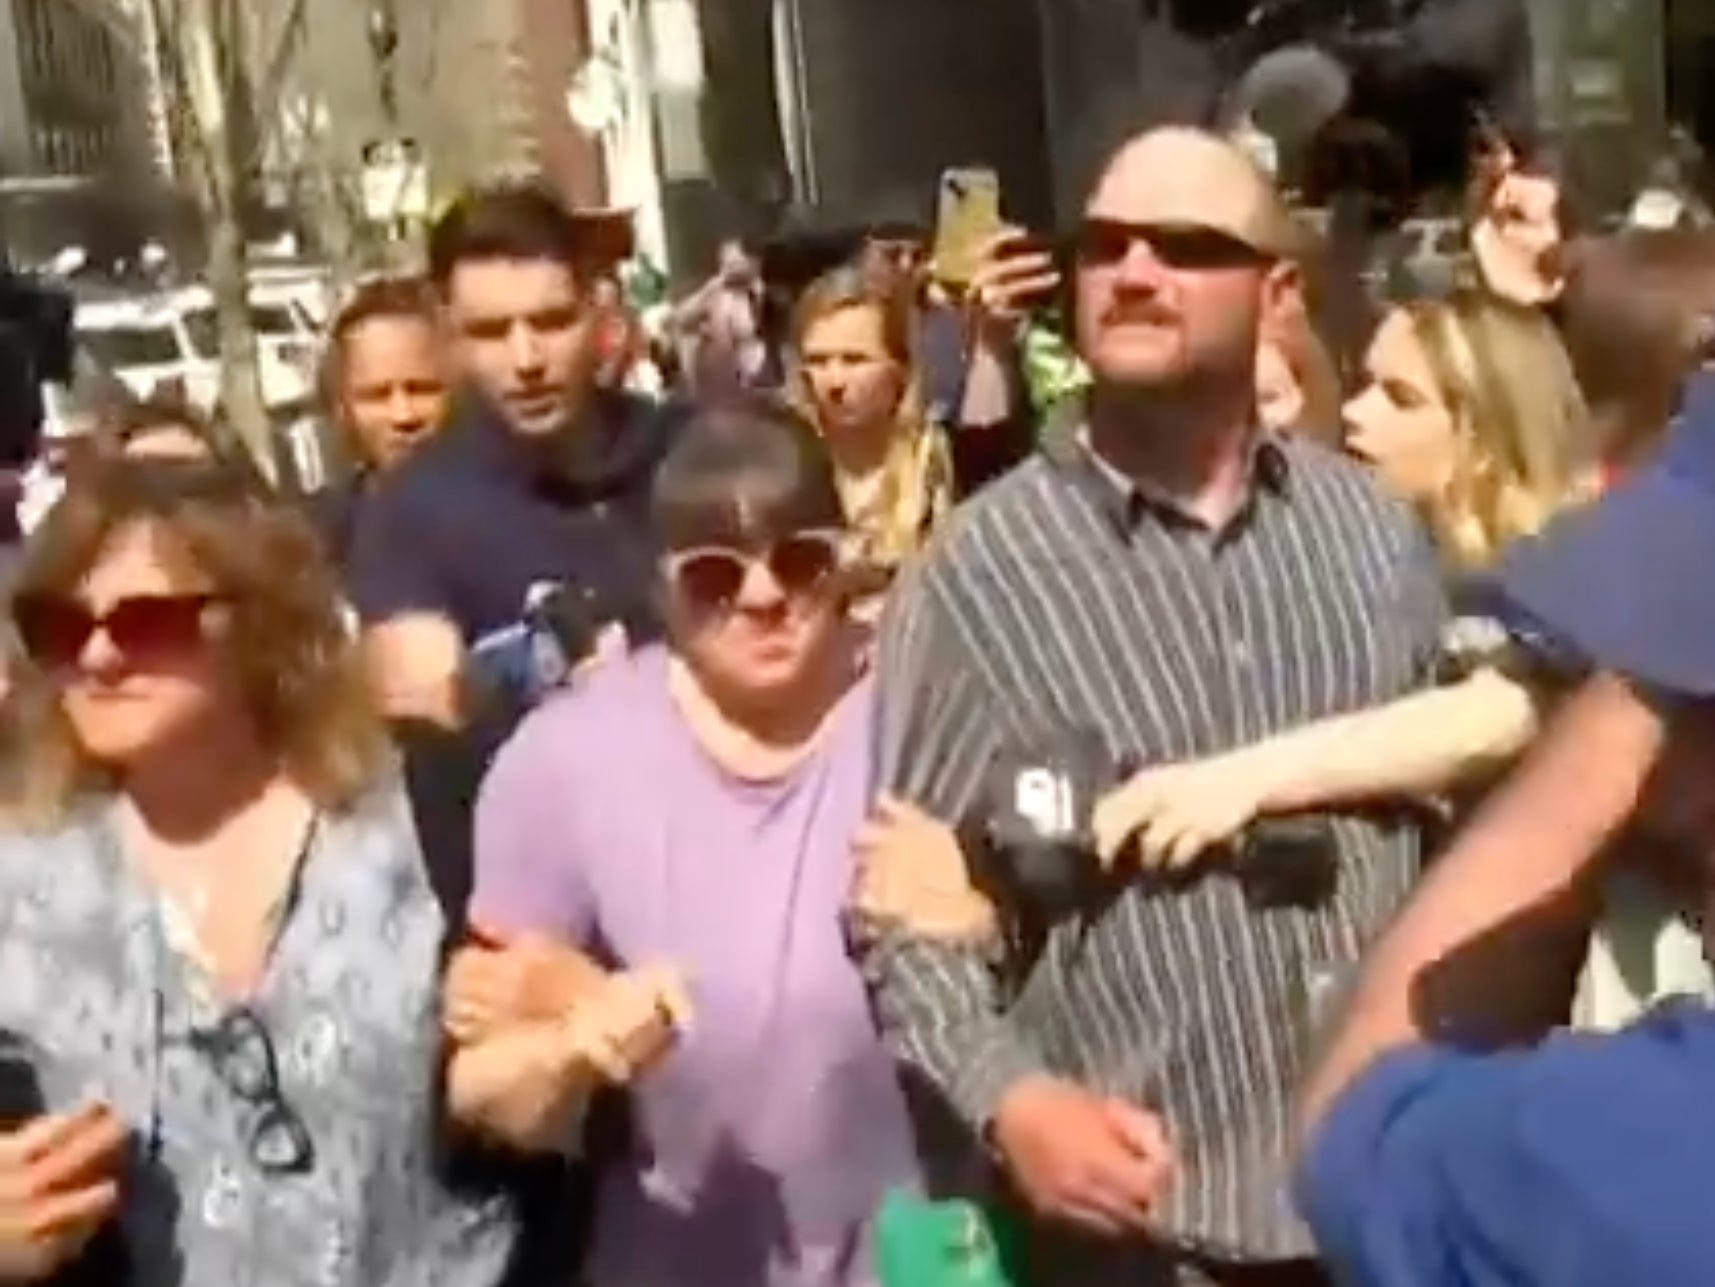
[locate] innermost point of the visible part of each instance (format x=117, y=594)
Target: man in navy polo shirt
x=541, y=479
x=1448, y=1141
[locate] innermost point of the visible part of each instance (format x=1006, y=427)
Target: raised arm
x=1524, y=872
x=1417, y=747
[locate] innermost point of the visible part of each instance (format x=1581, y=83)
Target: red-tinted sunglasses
x=145, y=629
x=711, y=577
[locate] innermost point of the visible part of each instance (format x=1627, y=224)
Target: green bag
x=919, y=1243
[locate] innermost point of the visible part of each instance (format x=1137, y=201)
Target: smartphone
x=21, y=1098
x=968, y=217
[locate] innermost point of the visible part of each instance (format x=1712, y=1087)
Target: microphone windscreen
x=1291, y=93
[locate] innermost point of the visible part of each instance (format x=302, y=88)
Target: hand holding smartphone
x=1019, y=274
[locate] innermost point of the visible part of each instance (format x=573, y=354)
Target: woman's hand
x=57, y=1188
x=497, y=982
x=1013, y=276
x=628, y=1024
x=1179, y=812
x=527, y=1085
x=911, y=874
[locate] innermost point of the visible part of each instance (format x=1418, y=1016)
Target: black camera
x=1034, y=844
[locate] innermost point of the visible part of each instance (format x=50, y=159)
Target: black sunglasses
x=1102, y=243
x=711, y=577
x=146, y=629
x=241, y=1052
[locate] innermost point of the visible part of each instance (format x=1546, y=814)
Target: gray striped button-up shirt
x=1063, y=598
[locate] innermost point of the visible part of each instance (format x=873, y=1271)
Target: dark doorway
x=1690, y=45
x=894, y=91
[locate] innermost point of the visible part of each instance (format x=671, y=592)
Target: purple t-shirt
x=766, y=1139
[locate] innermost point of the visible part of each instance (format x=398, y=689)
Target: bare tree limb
x=277, y=71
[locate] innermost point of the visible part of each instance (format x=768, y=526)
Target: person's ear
x=1282, y=298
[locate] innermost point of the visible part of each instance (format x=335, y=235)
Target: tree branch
x=270, y=87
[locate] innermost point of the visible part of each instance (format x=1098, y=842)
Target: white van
x=160, y=341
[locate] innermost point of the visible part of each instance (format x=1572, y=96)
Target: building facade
x=1601, y=81
x=74, y=99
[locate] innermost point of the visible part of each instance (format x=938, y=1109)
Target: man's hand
x=1179, y=812
x=1078, y=1157
x=498, y=982
x=414, y=663
x=57, y=1189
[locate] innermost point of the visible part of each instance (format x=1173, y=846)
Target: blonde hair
x=915, y=489
x=1524, y=432
x=297, y=666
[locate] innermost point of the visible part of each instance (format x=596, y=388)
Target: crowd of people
x=840, y=816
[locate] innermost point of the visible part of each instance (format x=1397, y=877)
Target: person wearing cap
x=1174, y=581
x=1448, y=1137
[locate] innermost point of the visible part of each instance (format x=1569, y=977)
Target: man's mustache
x=1139, y=313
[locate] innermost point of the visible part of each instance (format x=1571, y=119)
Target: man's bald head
x=1177, y=176
x=1179, y=262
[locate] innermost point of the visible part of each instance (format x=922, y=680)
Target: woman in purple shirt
x=688, y=814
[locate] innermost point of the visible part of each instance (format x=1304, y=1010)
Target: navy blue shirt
x=480, y=517
x=1583, y=1163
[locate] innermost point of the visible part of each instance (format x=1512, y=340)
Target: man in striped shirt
x=1174, y=582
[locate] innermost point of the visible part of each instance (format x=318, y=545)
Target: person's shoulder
x=33, y=852
x=1017, y=496
x=1598, y=1139
x=589, y=715
x=1334, y=473
x=1345, y=488
x=855, y=714
x=653, y=423
x=426, y=482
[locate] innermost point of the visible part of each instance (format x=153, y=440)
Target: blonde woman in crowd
x=221, y=951
x=1471, y=412
x=856, y=380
